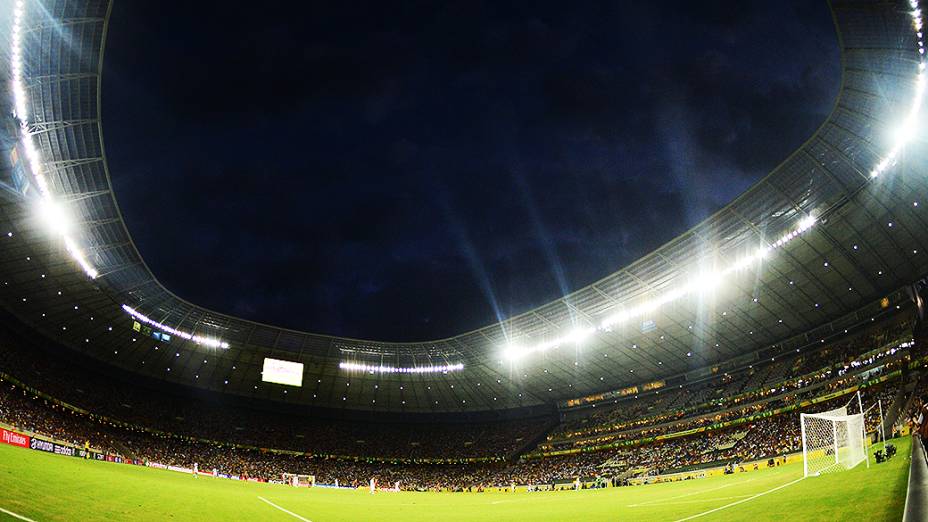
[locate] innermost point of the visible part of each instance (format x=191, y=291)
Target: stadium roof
x=805, y=251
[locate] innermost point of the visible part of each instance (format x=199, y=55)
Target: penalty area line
x=287, y=511
x=690, y=494
x=16, y=515
x=726, y=506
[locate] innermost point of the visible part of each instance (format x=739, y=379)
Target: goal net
x=296, y=480
x=832, y=441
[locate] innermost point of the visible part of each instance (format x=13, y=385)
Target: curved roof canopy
x=830, y=230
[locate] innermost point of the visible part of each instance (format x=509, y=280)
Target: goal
x=301, y=481
x=832, y=441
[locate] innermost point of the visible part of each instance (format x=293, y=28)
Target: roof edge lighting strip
x=703, y=283
x=50, y=210
x=205, y=341
x=709, y=281
x=371, y=368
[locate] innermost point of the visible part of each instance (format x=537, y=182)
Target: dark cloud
x=414, y=170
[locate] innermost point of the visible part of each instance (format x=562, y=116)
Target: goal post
x=832, y=441
x=300, y=481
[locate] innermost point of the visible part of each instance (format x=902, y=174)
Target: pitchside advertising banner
x=39, y=444
x=14, y=439
x=42, y=445
x=51, y=447
x=84, y=454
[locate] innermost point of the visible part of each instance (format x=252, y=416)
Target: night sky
x=407, y=171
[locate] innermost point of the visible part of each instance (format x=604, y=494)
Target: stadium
x=767, y=363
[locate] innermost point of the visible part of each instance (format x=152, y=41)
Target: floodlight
x=706, y=282
x=906, y=131
x=578, y=335
x=806, y=223
x=513, y=352
x=54, y=217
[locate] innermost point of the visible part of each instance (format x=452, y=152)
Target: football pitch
x=40, y=486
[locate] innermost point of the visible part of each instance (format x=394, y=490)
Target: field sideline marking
x=291, y=513
x=690, y=494
x=16, y=515
x=704, y=513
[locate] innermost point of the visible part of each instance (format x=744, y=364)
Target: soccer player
x=195, y=470
x=373, y=485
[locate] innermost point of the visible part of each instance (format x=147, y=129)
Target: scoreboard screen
x=282, y=372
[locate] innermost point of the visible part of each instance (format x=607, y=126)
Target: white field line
x=698, y=500
x=291, y=513
x=16, y=515
x=690, y=494
x=752, y=497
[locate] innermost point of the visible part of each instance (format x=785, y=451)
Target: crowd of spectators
x=204, y=419
x=917, y=414
x=864, y=366
x=126, y=421
x=749, y=384
x=761, y=439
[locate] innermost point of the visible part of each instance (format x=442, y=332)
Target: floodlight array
x=908, y=130
x=205, y=341
x=710, y=280
x=704, y=282
x=372, y=368
x=52, y=212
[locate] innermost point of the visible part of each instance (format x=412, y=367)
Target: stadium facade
x=832, y=237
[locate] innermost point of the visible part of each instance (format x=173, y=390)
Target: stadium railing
x=916, y=498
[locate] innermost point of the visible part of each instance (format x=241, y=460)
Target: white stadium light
x=706, y=282
x=54, y=217
x=578, y=335
x=205, y=341
x=513, y=352
x=78, y=256
x=50, y=212
x=380, y=368
x=806, y=223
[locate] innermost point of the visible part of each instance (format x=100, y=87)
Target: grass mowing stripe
x=752, y=497
x=291, y=513
x=16, y=515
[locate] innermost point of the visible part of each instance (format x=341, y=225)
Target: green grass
x=43, y=486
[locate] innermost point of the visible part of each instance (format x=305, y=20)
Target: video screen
x=282, y=372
